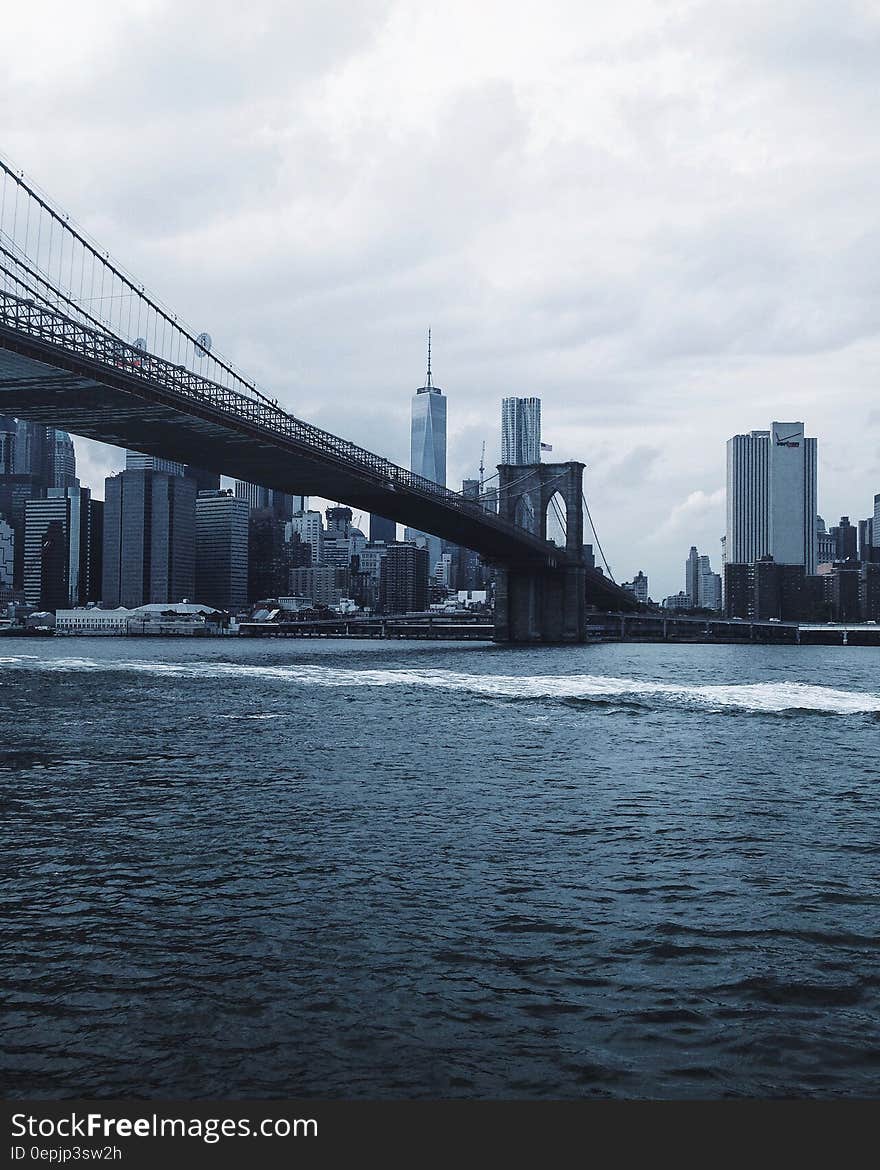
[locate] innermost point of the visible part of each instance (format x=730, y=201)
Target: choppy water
x=395, y=869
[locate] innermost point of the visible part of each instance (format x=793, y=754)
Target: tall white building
x=638, y=587
x=427, y=456
x=521, y=430
x=771, y=496
x=309, y=526
x=691, y=575
x=428, y=430
x=702, y=586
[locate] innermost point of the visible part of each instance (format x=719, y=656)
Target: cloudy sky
x=661, y=218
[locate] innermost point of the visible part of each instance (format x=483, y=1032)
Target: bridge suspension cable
x=62, y=267
x=596, y=537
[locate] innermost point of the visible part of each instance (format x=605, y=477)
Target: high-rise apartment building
x=521, y=430
x=342, y=541
x=638, y=587
x=322, y=584
x=403, y=582
x=149, y=538
x=771, y=497
x=222, y=550
x=365, y=581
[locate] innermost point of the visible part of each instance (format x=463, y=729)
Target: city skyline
x=862, y=527
x=651, y=338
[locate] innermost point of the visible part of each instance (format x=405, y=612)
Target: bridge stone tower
x=548, y=603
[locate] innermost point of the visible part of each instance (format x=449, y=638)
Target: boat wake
x=767, y=698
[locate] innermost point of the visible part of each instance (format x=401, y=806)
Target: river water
x=398, y=869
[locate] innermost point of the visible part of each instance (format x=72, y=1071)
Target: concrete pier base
x=545, y=606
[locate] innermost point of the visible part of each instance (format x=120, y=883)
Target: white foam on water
x=770, y=697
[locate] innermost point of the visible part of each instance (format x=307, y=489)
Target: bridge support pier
x=541, y=606
x=544, y=603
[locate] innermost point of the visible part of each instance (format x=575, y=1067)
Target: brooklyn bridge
x=84, y=348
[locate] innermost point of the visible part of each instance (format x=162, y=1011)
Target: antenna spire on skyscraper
x=428, y=378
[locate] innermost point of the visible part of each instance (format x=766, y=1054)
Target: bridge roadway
x=57, y=371
x=601, y=627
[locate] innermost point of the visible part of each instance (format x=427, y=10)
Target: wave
x=769, y=697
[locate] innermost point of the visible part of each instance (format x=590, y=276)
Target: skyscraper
x=269, y=555
x=137, y=461
x=428, y=430
x=382, y=529
x=702, y=587
x=7, y=445
x=282, y=504
x=310, y=528
x=521, y=430
x=748, y=497
x=26, y=473
x=206, y=481
x=792, y=496
x=638, y=587
x=771, y=497
x=845, y=540
x=866, y=540
x=58, y=547
x=428, y=449
x=32, y=454
x=403, y=580
x=691, y=575
x=149, y=538
x=221, y=550
x=62, y=460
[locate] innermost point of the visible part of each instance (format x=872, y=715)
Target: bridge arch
x=552, y=493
